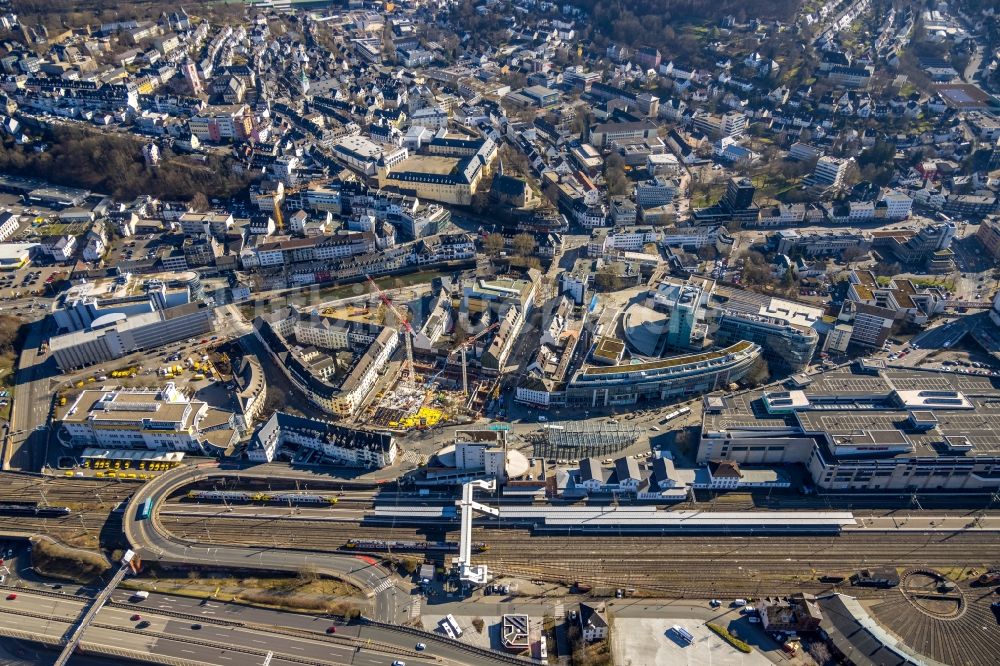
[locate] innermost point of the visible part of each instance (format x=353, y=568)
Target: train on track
x=245, y=497
x=410, y=546
x=32, y=509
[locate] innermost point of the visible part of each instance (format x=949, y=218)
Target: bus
x=450, y=619
x=144, y=509
x=682, y=633
x=675, y=414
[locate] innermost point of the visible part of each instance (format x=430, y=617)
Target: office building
x=654, y=381
x=989, y=235
x=126, y=294
x=829, y=172
x=739, y=194
x=788, y=347
x=116, y=335
x=157, y=419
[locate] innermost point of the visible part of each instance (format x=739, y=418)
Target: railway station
x=580, y=520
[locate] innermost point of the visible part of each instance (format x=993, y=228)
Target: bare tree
x=524, y=244
x=494, y=244
x=199, y=202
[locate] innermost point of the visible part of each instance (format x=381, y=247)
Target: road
x=391, y=604
x=27, y=447
x=239, y=639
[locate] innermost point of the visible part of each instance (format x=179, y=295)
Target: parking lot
x=650, y=642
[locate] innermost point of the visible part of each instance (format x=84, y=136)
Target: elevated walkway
x=467, y=572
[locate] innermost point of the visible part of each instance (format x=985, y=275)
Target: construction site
x=377, y=359
x=437, y=384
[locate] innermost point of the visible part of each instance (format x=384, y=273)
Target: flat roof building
x=857, y=430
x=115, y=335
x=158, y=419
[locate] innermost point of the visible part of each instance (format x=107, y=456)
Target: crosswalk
x=383, y=586
x=416, y=606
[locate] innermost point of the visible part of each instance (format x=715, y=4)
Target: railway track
x=660, y=565
x=969, y=640
x=64, y=491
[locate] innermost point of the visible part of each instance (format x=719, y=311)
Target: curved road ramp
x=152, y=542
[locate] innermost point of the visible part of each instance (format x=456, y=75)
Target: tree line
x=113, y=164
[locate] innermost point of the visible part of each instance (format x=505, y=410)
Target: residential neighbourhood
x=500, y=331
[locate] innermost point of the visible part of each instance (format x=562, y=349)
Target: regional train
x=32, y=509
x=410, y=546
x=245, y=497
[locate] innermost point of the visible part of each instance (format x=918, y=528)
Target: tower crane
x=465, y=345
x=405, y=325
x=279, y=219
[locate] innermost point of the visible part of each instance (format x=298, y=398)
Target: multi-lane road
x=27, y=442
x=213, y=633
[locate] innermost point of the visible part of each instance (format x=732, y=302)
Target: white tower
x=191, y=75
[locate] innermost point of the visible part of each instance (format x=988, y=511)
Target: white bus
x=450, y=619
x=682, y=633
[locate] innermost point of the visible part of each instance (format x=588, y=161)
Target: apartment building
x=336, y=444
x=323, y=380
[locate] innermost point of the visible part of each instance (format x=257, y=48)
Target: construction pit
x=405, y=408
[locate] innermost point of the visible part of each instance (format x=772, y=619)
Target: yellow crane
x=278, y=217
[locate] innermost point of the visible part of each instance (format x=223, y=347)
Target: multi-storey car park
x=866, y=429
